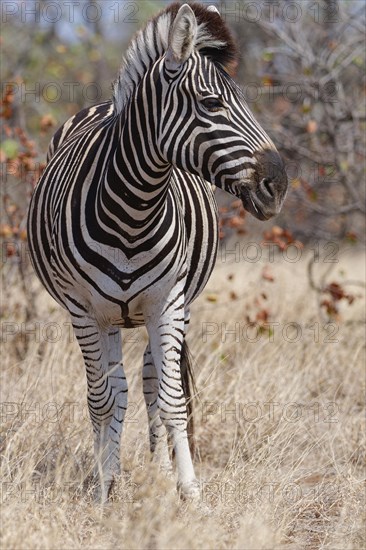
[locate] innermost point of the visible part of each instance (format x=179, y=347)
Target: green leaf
x=267, y=56
x=359, y=61
x=10, y=148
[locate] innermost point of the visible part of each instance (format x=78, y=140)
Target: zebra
x=123, y=223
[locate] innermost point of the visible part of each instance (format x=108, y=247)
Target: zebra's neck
x=138, y=178
x=146, y=47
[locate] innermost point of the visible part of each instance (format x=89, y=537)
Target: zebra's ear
x=213, y=8
x=182, y=38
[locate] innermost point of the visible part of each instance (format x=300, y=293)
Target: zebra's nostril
x=266, y=186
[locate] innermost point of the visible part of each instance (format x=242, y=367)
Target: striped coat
x=123, y=223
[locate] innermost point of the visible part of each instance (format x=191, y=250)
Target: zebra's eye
x=212, y=104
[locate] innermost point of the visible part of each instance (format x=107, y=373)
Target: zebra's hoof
x=102, y=493
x=190, y=490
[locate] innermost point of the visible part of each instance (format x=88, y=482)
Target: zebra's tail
x=189, y=389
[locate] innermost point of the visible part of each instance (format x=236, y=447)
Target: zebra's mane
x=213, y=40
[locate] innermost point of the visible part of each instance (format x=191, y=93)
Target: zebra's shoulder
x=80, y=121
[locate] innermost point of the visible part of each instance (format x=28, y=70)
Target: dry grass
x=279, y=424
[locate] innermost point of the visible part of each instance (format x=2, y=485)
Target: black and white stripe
x=123, y=222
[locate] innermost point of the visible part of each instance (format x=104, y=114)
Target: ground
x=279, y=416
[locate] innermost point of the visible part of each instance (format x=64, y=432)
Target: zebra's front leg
x=166, y=332
x=107, y=397
x=157, y=431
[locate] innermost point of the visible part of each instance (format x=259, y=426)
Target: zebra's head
x=204, y=125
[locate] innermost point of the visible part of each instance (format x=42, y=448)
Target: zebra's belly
x=134, y=321
x=116, y=296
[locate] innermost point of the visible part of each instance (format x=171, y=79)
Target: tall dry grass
x=279, y=428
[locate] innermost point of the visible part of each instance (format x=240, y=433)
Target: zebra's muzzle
x=265, y=195
x=251, y=205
